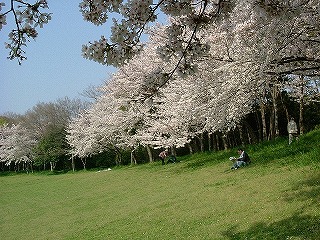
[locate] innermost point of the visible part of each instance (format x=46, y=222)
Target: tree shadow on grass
x=299, y=226
x=296, y=227
x=306, y=190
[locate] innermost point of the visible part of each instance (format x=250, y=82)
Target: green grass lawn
x=276, y=197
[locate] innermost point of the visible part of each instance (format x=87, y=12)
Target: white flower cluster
x=18, y=39
x=125, y=38
x=178, y=8
x=153, y=82
x=230, y=80
x=136, y=15
x=181, y=45
x=16, y=144
x=122, y=34
x=33, y=17
x=103, y=52
x=138, y=12
x=2, y=16
x=2, y=21
x=186, y=68
x=95, y=11
x=27, y=19
x=273, y=7
x=174, y=45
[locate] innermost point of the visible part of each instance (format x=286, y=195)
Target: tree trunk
x=263, y=105
x=201, y=142
x=275, y=94
x=225, y=141
x=217, y=142
x=133, y=158
x=274, y=125
x=252, y=138
x=209, y=141
x=118, y=156
x=31, y=167
x=301, y=107
x=84, y=162
x=241, y=134
x=149, y=150
x=52, y=166
x=263, y=121
x=285, y=108
x=190, y=148
x=232, y=139
x=73, y=165
x=259, y=125
x=173, y=151
x=271, y=126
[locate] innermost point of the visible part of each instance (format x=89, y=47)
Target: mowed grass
x=276, y=197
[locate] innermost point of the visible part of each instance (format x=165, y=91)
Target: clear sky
x=54, y=68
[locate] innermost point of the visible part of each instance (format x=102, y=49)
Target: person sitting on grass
x=242, y=160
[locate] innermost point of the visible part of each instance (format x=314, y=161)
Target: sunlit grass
x=276, y=197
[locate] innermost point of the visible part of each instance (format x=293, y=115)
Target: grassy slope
x=277, y=197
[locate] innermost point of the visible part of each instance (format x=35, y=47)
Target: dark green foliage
x=101, y=160
x=7, y=120
x=52, y=148
x=141, y=155
x=3, y=121
x=297, y=226
x=311, y=116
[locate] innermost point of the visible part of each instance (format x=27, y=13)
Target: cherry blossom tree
x=240, y=55
x=184, y=33
x=243, y=64
x=135, y=15
x=109, y=123
x=136, y=83
x=280, y=38
x=78, y=138
x=16, y=144
x=45, y=123
x=27, y=18
x=171, y=115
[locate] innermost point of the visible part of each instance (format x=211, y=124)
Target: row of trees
x=37, y=138
x=255, y=57
x=220, y=74
x=35, y=142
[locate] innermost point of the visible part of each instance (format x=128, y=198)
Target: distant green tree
x=3, y=121
x=51, y=148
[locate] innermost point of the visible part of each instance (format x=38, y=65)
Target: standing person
x=292, y=130
x=163, y=156
x=242, y=160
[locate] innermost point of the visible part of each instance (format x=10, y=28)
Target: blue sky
x=54, y=68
